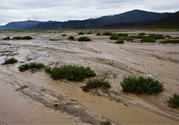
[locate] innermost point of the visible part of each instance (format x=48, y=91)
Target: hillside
x=131, y=16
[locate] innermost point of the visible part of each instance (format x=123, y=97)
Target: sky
x=63, y=10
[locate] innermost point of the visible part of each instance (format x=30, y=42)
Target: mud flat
x=34, y=98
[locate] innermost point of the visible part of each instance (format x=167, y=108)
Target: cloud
x=62, y=10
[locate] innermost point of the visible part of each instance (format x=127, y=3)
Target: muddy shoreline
x=108, y=60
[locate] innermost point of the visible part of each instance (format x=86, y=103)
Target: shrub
x=122, y=34
x=23, y=38
x=71, y=38
x=89, y=32
x=107, y=33
x=139, y=37
x=26, y=37
x=119, y=41
x=98, y=34
x=84, y=39
x=64, y=35
x=114, y=37
x=142, y=34
x=141, y=85
x=9, y=61
x=148, y=40
x=81, y=33
x=7, y=38
x=32, y=65
x=128, y=38
x=170, y=41
x=75, y=73
x=96, y=83
x=156, y=36
x=17, y=37
x=174, y=101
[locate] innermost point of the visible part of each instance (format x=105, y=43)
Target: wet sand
x=108, y=59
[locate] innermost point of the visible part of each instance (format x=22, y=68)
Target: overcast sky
x=63, y=10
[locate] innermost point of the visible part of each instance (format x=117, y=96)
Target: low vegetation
x=114, y=37
x=89, y=32
x=96, y=83
x=71, y=38
x=98, y=34
x=148, y=40
x=84, y=39
x=74, y=73
x=142, y=34
x=81, y=33
x=10, y=61
x=28, y=66
x=156, y=36
x=170, y=41
x=119, y=41
x=122, y=34
x=174, y=101
x=107, y=33
x=141, y=85
x=22, y=38
x=7, y=38
x=64, y=35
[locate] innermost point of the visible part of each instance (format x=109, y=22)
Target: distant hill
x=20, y=25
x=134, y=18
x=166, y=21
x=131, y=16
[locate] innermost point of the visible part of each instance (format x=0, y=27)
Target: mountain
x=166, y=21
x=127, y=17
x=20, y=25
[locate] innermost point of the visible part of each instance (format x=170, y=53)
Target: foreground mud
x=63, y=102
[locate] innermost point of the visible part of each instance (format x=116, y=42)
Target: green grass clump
x=98, y=34
x=128, y=38
x=71, y=38
x=141, y=85
x=22, y=38
x=10, y=61
x=107, y=33
x=89, y=32
x=96, y=83
x=7, y=38
x=26, y=38
x=74, y=73
x=170, y=41
x=64, y=35
x=174, y=101
x=114, y=37
x=139, y=37
x=84, y=39
x=148, y=40
x=119, y=41
x=156, y=36
x=122, y=34
x=142, y=34
x=33, y=65
x=81, y=33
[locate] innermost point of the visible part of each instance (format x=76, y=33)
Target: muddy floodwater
x=35, y=98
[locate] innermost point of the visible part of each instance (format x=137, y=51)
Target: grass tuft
x=142, y=34
x=74, y=73
x=170, y=41
x=22, y=38
x=32, y=65
x=10, y=61
x=63, y=35
x=174, y=101
x=122, y=34
x=81, y=33
x=84, y=39
x=71, y=38
x=141, y=85
x=7, y=38
x=96, y=83
x=148, y=40
x=120, y=41
x=107, y=33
